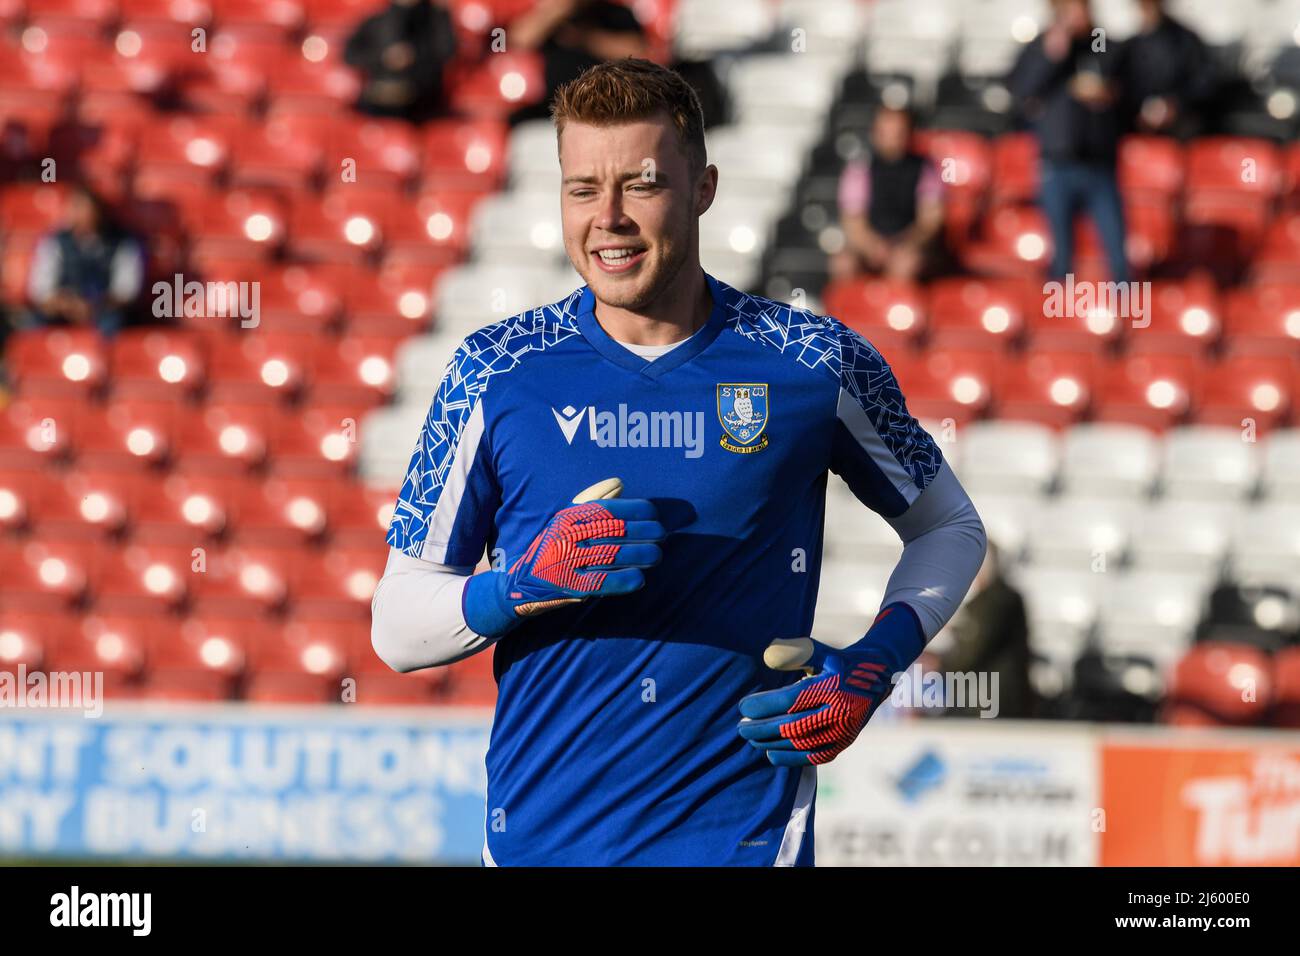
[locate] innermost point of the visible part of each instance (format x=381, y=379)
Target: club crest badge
x=743, y=412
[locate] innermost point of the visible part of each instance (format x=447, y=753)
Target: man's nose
x=610, y=215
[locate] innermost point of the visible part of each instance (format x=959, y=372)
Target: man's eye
x=642, y=187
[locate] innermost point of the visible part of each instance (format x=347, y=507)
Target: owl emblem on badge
x=743, y=413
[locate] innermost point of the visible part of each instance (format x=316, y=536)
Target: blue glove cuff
x=898, y=634
x=484, y=606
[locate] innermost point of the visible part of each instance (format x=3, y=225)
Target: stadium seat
x=890, y=315
x=1265, y=545
x=279, y=513
x=191, y=150
x=498, y=86
x=294, y=298
x=128, y=435
x=30, y=638
x=1052, y=388
x=1278, y=252
x=143, y=579
x=57, y=362
x=1262, y=319
x=23, y=497
x=1015, y=243
x=321, y=442
x=434, y=230
x=1109, y=460
x=955, y=384
x=256, y=368
x=305, y=665
x=346, y=225
x=1286, y=697
x=186, y=509
x=35, y=433
x=1061, y=605
x=396, y=301
x=1208, y=463
x=1081, y=532
x=1152, y=614
x=1280, y=465
x=1008, y=457
x=1218, y=684
x=464, y=155
x=225, y=439
x=1150, y=167
x=201, y=658
x=1180, y=535
x=1182, y=318
x=338, y=583
x=248, y=224
x=1154, y=391
x=976, y=312
x=279, y=153
x=82, y=506
x=44, y=576
x=1249, y=391
x=157, y=365
x=243, y=582
x=359, y=517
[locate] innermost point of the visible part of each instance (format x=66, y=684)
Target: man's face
x=891, y=134
x=630, y=205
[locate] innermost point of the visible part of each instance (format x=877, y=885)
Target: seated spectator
x=1069, y=91
x=891, y=207
x=572, y=36
x=402, y=52
x=89, y=273
x=1167, y=74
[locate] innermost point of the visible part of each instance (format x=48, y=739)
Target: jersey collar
x=651, y=368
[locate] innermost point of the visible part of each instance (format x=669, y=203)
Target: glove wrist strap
x=485, y=609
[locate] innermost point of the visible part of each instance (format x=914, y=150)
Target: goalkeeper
x=645, y=463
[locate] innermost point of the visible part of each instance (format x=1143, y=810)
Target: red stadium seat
x=395, y=301
x=43, y=576
x=1209, y=683
x=114, y=645
x=498, y=86
x=470, y=682
x=188, y=509
x=34, y=433
x=1286, y=676
x=224, y=439
x=355, y=370
x=30, y=638
x=1052, y=388
x=1154, y=391
x=201, y=658
x=151, y=13
x=977, y=313
x=189, y=149
x=292, y=299
x=129, y=435
x=1015, y=168
x=307, y=665
x=144, y=578
x=1279, y=252
x=1257, y=388
x=346, y=226
x=299, y=85
x=244, y=582
x=279, y=153
x=138, y=65
x=381, y=153
x=466, y=155
x=276, y=21
x=1262, y=319
x=24, y=494
x=1016, y=243
x=276, y=512
x=1184, y=318
x=435, y=230
x=85, y=506
x=321, y=442
x=260, y=367
x=37, y=71
x=1151, y=167
x=956, y=384
x=74, y=15
x=15, y=269
x=337, y=583
x=1071, y=316
x=359, y=516
x=891, y=315
x=244, y=223
x=157, y=365
x=1234, y=165
x=57, y=362
x=965, y=164
x=31, y=209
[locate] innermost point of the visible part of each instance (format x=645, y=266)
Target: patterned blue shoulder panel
x=484, y=354
x=827, y=345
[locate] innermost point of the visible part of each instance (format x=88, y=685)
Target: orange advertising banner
x=1215, y=805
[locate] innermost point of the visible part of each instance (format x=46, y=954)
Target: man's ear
x=706, y=188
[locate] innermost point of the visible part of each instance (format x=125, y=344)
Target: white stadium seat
x=1109, y=460
x=1007, y=457
x=1202, y=461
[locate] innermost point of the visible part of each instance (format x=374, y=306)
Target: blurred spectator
x=1066, y=84
x=571, y=36
x=89, y=272
x=990, y=634
x=891, y=207
x=402, y=52
x=1167, y=74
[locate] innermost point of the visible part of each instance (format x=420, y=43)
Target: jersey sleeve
x=447, y=506
x=883, y=454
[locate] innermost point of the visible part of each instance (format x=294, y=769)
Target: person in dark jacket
x=402, y=52
x=1167, y=73
x=891, y=207
x=88, y=273
x=1066, y=84
x=990, y=634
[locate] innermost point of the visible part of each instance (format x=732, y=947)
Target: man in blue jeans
x=1065, y=83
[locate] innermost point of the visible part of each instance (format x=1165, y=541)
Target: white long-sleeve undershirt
x=417, y=619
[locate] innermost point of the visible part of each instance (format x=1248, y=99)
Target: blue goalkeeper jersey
x=614, y=739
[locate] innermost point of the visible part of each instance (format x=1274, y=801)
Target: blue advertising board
x=238, y=782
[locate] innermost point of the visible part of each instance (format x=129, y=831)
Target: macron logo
x=569, y=420
x=629, y=428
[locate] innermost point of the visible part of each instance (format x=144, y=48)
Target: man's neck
x=671, y=318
